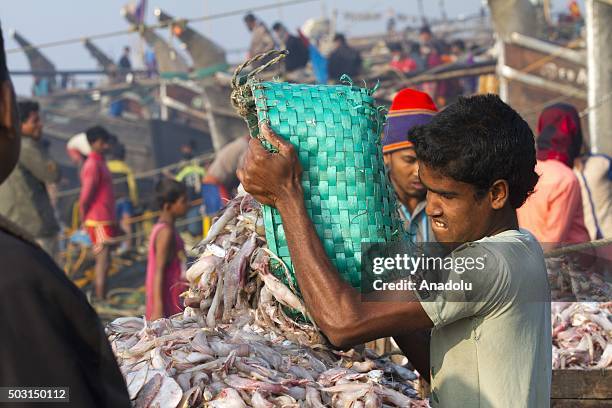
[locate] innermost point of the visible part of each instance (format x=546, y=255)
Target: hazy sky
x=51, y=20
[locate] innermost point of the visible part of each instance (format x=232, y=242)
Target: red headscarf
x=560, y=134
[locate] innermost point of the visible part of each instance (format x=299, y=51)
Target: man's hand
x=271, y=177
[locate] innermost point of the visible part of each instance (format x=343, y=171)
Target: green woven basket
x=336, y=132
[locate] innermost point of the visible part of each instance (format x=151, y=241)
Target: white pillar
x=599, y=58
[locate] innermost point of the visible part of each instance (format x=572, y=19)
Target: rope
x=126, y=237
x=139, y=218
x=135, y=29
x=153, y=214
x=149, y=173
x=538, y=109
x=241, y=96
x=541, y=61
x=578, y=247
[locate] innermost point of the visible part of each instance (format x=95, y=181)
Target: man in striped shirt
x=409, y=108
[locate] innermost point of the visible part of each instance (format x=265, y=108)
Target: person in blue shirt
x=409, y=108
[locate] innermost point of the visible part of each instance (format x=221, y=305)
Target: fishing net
x=335, y=129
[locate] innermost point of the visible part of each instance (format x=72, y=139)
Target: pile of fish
x=235, y=346
x=582, y=335
x=570, y=281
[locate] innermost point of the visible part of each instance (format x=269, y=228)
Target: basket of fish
x=336, y=131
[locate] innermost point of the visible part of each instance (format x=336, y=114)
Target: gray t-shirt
x=491, y=345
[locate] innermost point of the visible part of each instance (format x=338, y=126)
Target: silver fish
x=211, y=317
x=169, y=394
x=228, y=214
x=234, y=276
x=235, y=381
x=148, y=392
x=259, y=401
x=313, y=398
x=227, y=398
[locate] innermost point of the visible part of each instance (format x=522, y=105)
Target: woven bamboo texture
x=336, y=131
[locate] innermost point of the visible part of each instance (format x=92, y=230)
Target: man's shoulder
x=261, y=29
x=553, y=171
x=28, y=143
x=89, y=161
x=31, y=269
x=24, y=259
x=11, y=229
x=29, y=147
x=507, y=266
x=294, y=41
x=479, y=251
x=509, y=248
x=93, y=164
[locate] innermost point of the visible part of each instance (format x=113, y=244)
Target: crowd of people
x=564, y=197
x=570, y=204
x=430, y=52
x=470, y=173
x=406, y=57
x=108, y=197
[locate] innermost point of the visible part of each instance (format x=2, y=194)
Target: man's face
x=186, y=152
x=101, y=146
x=424, y=38
x=33, y=126
x=404, y=172
x=250, y=25
x=457, y=215
x=282, y=35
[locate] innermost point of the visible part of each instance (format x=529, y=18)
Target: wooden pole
x=599, y=64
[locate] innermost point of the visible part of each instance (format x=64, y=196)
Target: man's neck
x=507, y=220
x=408, y=200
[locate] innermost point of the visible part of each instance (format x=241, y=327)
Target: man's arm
x=88, y=185
x=274, y=179
x=37, y=162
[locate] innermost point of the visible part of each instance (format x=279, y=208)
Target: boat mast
x=443, y=11
x=421, y=12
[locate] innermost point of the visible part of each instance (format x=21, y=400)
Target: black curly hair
x=26, y=108
x=97, y=132
x=478, y=140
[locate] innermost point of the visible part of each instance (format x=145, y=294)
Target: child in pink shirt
x=165, y=262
